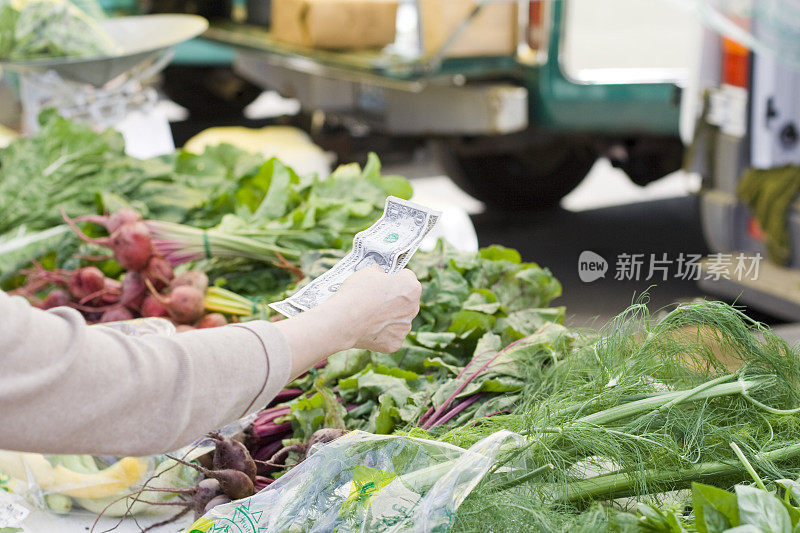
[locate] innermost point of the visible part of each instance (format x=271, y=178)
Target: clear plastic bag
x=364, y=482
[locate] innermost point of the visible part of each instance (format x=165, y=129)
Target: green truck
x=519, y=130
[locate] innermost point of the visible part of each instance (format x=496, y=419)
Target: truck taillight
x=735, y=63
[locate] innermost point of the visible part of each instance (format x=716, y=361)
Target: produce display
x=33, y=29
x=681, y=421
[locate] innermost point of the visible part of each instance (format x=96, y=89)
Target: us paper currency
x=389, y=243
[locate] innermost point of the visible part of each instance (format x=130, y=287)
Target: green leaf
x=372, y=170
x=434, y=340
x=397, y=186
x=411, y=357
x=334, y=412
x=343, y=364
x=384, y=420
x=482, y=300
x=762, y=509
x=525, y=322
x=472, y=323
x=308, y=415
x=496, y=252
x=276, y=178
x=437, y=362
x=792, y=489
x=707, y=497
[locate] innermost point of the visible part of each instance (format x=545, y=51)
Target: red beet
x=207, y=490
x=232, y=454
x=86, y=281
x=234, y=483
x=192, y=278
x=151, y=306
x=122, y=217
x=159, y=272
x=216, y=500
x=184, y=304
x=132, y=245
x=211, y=320
x=116, y=315
x=133, y=290
x=113, y=222
x=326, y=435
x=180, y=328
x=56, y=298
x=111, y=291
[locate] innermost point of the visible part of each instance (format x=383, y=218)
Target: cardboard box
x=335, y=24
x=492, y=32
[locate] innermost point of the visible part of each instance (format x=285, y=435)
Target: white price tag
x=147, y=134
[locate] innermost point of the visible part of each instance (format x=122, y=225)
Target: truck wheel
x=514, y=174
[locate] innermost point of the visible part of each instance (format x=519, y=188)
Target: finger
x=408, y=274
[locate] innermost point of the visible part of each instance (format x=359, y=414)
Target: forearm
x=69, y=388
x=314, y=335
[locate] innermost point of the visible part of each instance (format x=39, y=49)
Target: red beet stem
x=285, y=395
x=272, y=429
x=271, y=414
x=457, y=409
x=438, y=412
x=103, y=241
x=268, y=450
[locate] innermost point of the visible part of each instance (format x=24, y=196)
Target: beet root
x=234, y=483
x=232, y=454
x=159, y=272
x=211, y=320
x=122, y=217
x=326, y=435
x=180, y=328
x=133, y=290
x=185, y=304
x=113, y=222
x=217, y=500
x=151, y=306
x=117, y=314
x=132, y=246
x=192, y=278
x=85, y=282
x=130, y=243
x=56, y=298
x=207, y=490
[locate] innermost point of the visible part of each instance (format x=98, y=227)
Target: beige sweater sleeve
x=66, y=387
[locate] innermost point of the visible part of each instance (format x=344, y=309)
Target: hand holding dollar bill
x=389, y=243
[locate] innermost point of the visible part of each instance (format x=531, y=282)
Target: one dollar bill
x=389, y=243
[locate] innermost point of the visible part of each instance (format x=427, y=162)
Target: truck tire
x=516, y=174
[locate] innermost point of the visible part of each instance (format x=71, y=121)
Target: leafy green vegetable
x=459, y=341
x=31, y=29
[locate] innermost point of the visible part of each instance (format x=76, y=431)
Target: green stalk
x=648, y=404
x=621, y=484
x=224, y=245
x=700, y=388
x=225, y=301
x=526, y=477
x=748, y=466
x=619, y=412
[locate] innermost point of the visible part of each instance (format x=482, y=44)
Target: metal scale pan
x=140, y=39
